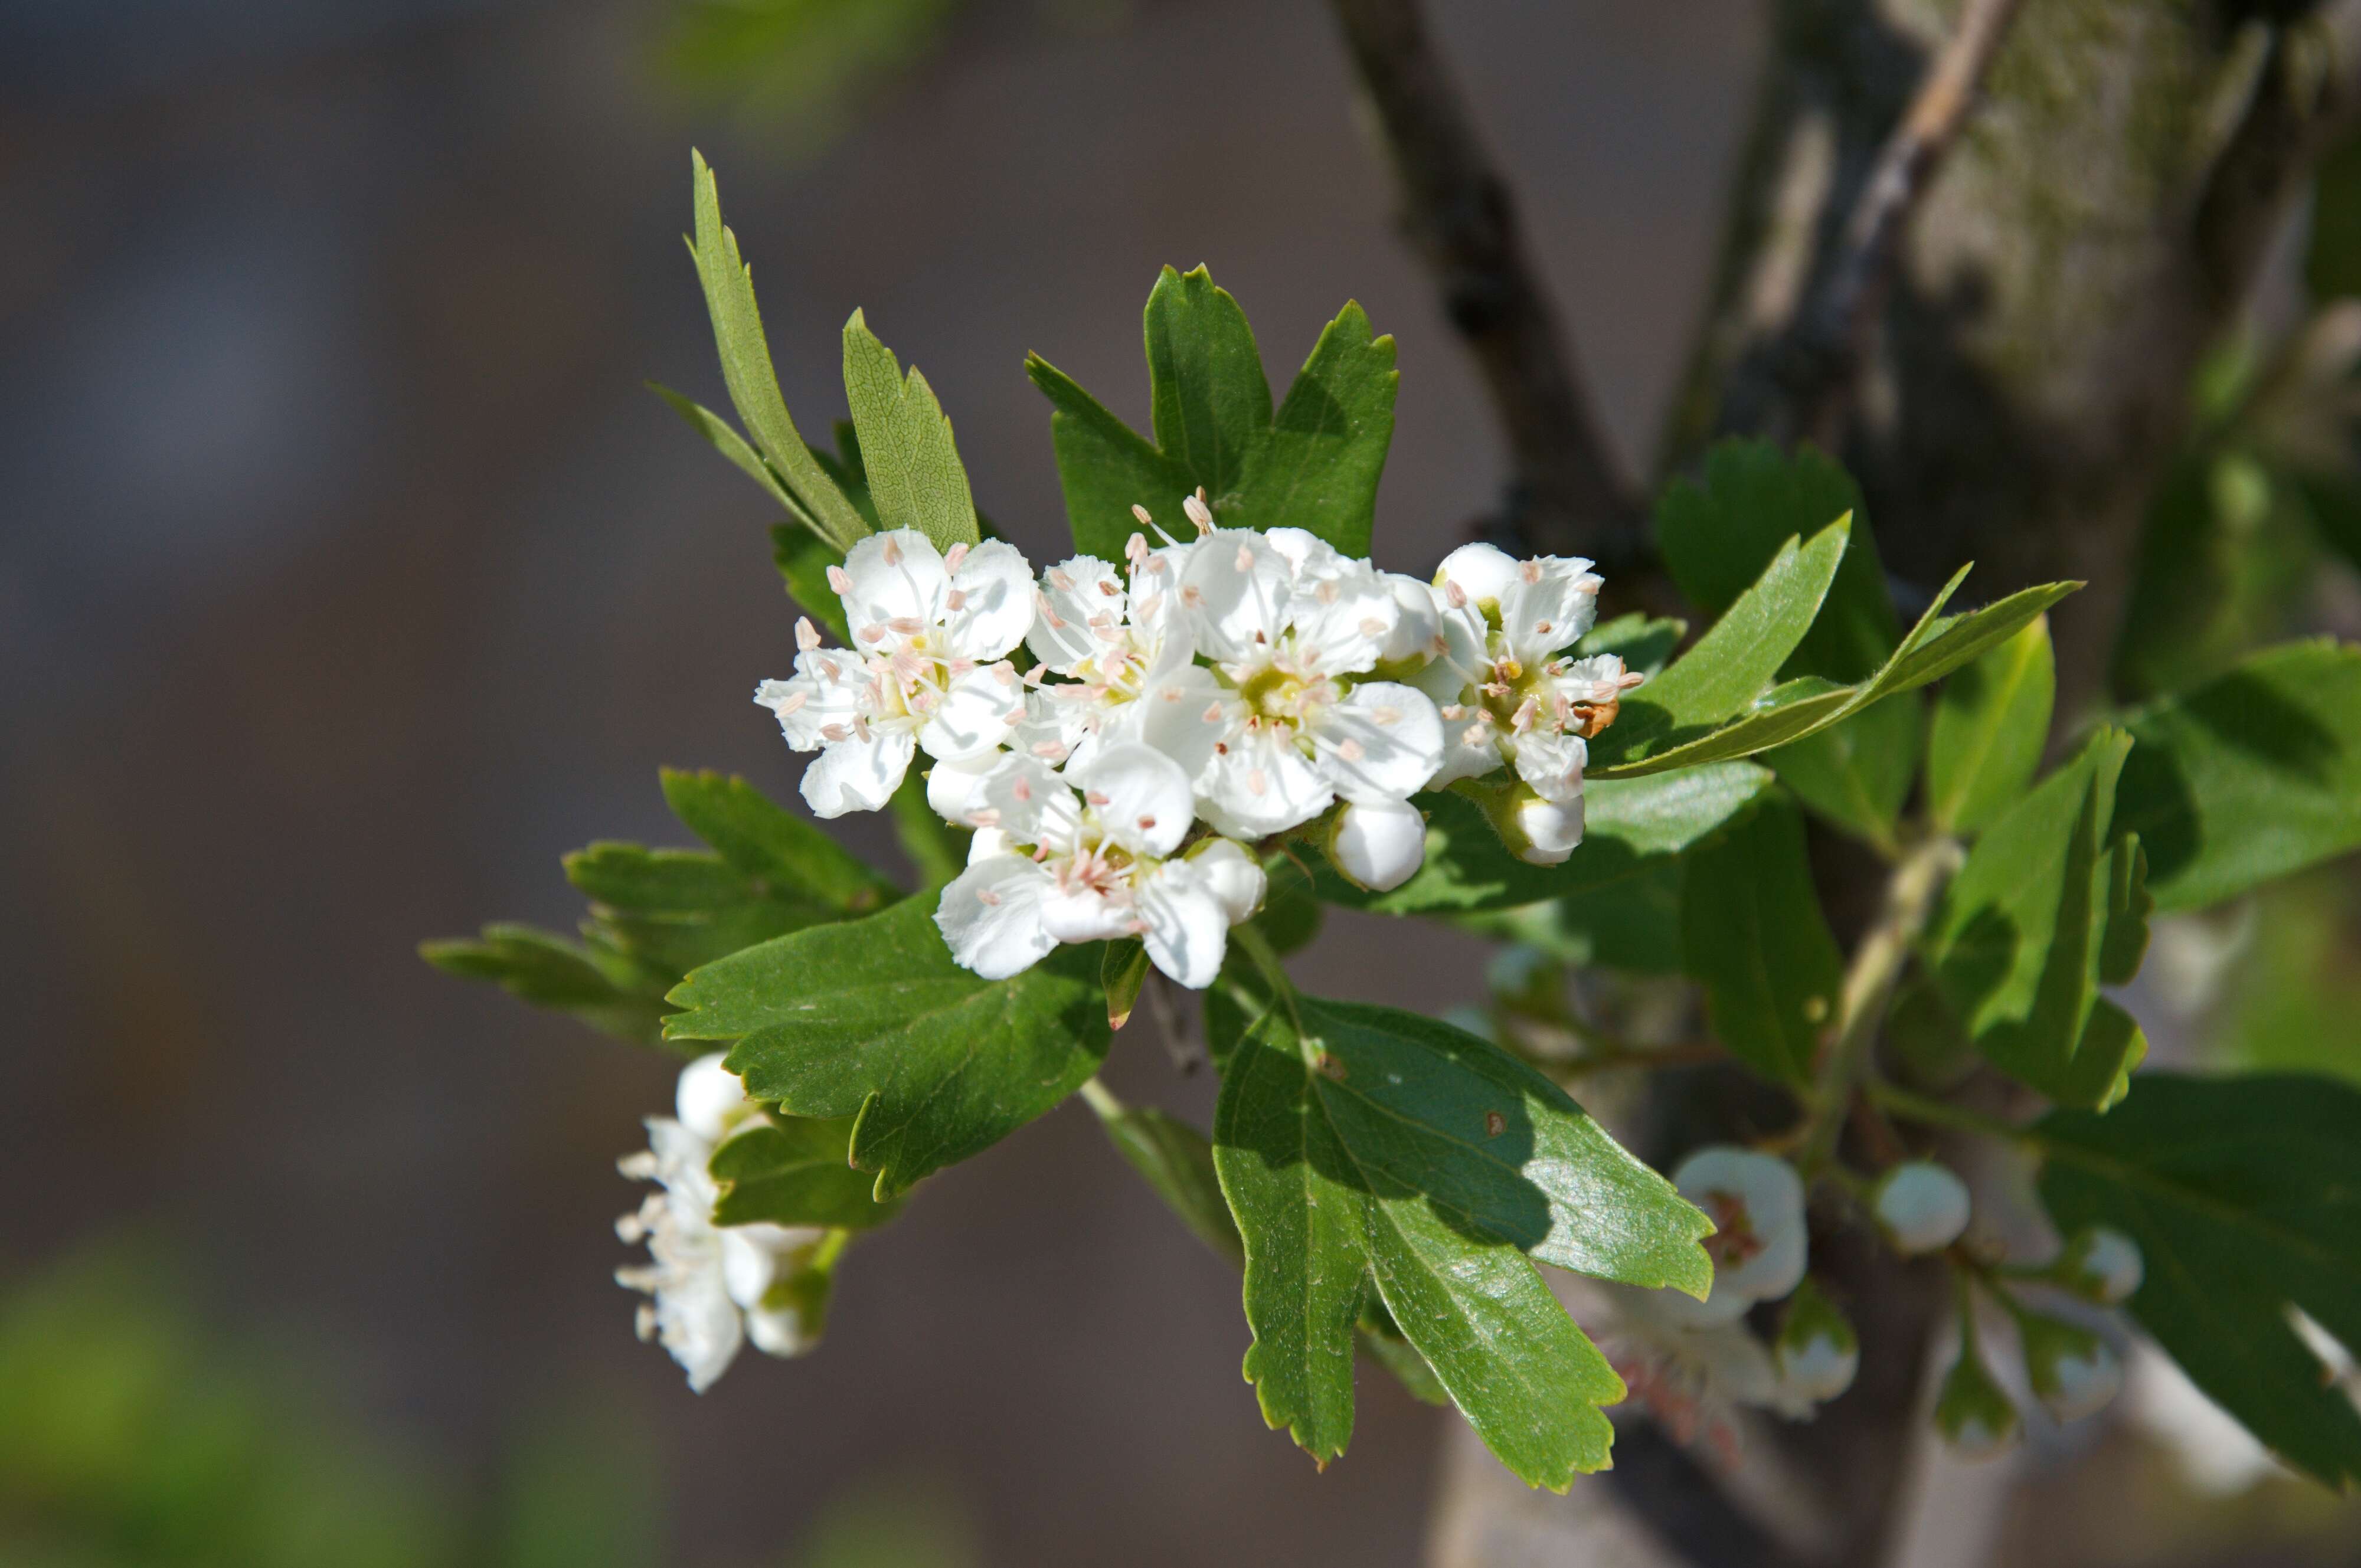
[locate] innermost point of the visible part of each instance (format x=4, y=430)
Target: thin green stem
x=1256, y=946
x=1101, y=1099
x=1868, y=987
x=1916, y=1107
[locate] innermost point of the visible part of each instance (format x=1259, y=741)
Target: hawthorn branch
x=1830, y=337
x=1568, y=493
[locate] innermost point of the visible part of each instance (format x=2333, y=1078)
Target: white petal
x=1549, y=604
x=1174, y=717
x=1083, y=916
x=779, y=1330
x=1599, y=678
x=1418, y=621
x=952, y=788
x=1233, y=875
x=753, y=1255
x=1188, y=927
x=993, y=588
x=991, y=916
x=895, y=575
x=1763, y=1193
x=826, y=690
x=1552, y=831
x=857, y=775
x=1057, y=720
x=1073, y=592
x=985, y=842
x=1023, y=795
x=1479, y=572
x=1379, y=845
x=710, y=1098
x=697, y=1323
x=1382, y=742
x=1146, y=804
x=1236, y=593
x=1308, y=556
x=1344, y=620
x=1259, y=786
x=979, y=711
x=1552, y=761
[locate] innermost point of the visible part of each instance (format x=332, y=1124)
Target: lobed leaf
x=772, y=846
x=1375, y=1148
x=2250, y=777
x=793, y=1171
x=603, y=989
x=2245, y=1197
x=912, y=465
x=1208, y=401
x=1991, y=724
x=1752, y=934
x=1318, y=468
x=872, y=1018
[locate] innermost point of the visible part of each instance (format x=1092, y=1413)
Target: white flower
x=2103, y=1264
x=1067, y=867
x=1921, y=1206
x=1505, y=693
x=1760, y=1242
x=1380, y=845
x=1691, y=1376
x=1819, y=1368
x=931, y=635
x=1111, y=640
x=1287, y=720
x=1547, y=832
x=712, y=1285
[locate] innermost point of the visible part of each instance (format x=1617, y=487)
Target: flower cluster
x=1183, y=710
x=714, y=1287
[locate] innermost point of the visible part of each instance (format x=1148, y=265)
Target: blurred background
x=348, y=576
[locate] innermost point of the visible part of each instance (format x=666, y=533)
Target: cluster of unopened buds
x=1693, y=1363
x=1185, y=709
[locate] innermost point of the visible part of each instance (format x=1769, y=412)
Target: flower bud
x=1479, y=572
x=2073, y=1371
x=1756, y=1202
x=1379, y=845
x=1412, y=642
x=954, y=789
x=1817, y=1351
x=1236, y=878
x=1921, y=1206
x=1973, y=1412
x=1551, y=830
x=2101, y=1265
x=710, y=1100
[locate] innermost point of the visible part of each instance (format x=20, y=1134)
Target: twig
x=1831, y=333
x=1869, y=986
x=1569, y=493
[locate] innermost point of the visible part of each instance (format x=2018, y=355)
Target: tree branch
x=1823, y=354
x=1568, y=493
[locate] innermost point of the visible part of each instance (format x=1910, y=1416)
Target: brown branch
x=1831, y=334
x=1569, y=493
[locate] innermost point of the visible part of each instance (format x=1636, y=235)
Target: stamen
x=988, y=898
x=1050, y=750
x=1349, y=748
x=872, y=634
x=1327, y=592
x=892, y=551
x=790, y=703
x=807, y=634
x=1258, y=782
x=1146, y=824
x=1198, y=512
x=1212, y=714
x=1372, y=627
x=1095, y=797
x=1457, y=595
x=1245, y=562
x=1106, y=587
x=1452, y=713
x=906, y=625
x=1475, y=735
x=1004, y=672
x=957, y=554
x=1061, y=580
x=961, y=666
x=1386, y=715
x=1193, y=597
x=1531, y=571
x=1021, y=789
x=955, y=598
x=839, y=581
x=984, y=817
x=834, y=732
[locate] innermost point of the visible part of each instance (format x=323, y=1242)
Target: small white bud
x=1922, y=1206
x=1818, y=1352
x=2073, y=1371
x=1973, y=1413
x=2103, y=1265
x=1379, y=845
x=1550, y=831
x=710, y=1100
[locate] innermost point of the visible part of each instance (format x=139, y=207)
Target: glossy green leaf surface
x=2245, y=1196
x=1644, y=642
x=1991, y=724
x=1314, y=464
x=1378, y=1149
x=2023, y=943
x=792, y=1170
x=2252, y=775
x=1631, y=829
x=915, y=479
x=1857, y=772
x=1752, y=934
x=746, y=369
x=872, y=1018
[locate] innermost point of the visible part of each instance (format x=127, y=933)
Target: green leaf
x=1314, y=464
x=1857, y=772
x=1633, y=924
x=1380, y=1147
x=2250, y=777
x=1736, y=658
x=1106, y=468
x=776, y=849
x=1209, y=403
x=936, y=847
x=2023, y=942
x=1795, y=708
x=1318, y=468
x=912, y=462
x=872, y=1018
x=1631, y=830
x=1174, y=1159
x=746, y=367
x=1991, y=724
x=1644, y=643
x=603, y=991
x=1718, y=533
x=803, y=559
x=793, y=1171
x=1753, y=932
x=732, y=445
x=2245, y=1197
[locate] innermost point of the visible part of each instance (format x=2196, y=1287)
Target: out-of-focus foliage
x=2290, y=1004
